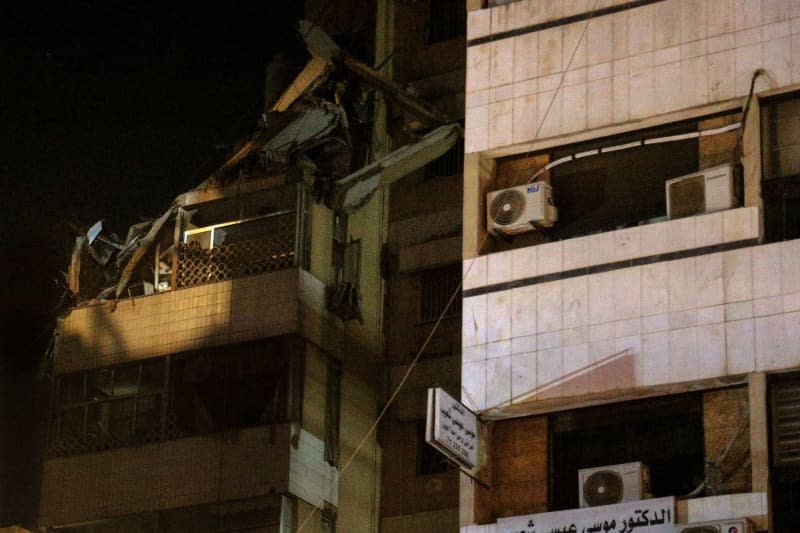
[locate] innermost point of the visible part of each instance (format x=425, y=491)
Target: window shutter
x=786, y=423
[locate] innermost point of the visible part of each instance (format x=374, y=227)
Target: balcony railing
x=236, y=249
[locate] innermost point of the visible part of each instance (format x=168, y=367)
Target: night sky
x=108, y=112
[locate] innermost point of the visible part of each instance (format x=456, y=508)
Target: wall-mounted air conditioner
x=520, y=209
x=704, y=191
x=607, y=485
x=733, y=525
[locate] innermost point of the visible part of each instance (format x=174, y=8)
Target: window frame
x=87, y=403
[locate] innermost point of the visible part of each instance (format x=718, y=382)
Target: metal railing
x=237, y=249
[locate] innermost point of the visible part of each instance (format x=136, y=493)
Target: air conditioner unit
x=520, y=209
x=607, y=485
x=704, y=191
x=733, y=525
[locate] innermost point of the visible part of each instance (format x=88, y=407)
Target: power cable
x=560, y=84
x=397, y=389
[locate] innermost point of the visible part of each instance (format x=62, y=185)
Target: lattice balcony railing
x=271, y=248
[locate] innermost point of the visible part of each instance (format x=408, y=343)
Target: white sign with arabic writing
x=643, y=516
x=452, y=428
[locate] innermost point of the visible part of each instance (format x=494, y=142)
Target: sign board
x=451, y=428
x=643, y=516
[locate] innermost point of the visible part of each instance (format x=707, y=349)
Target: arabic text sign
x=455, y=428
x=643, y=516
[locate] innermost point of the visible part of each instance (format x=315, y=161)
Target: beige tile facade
x=623, y=66
x=711, y=315
x=214, y=314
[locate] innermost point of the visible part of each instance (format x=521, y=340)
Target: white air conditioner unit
x=607, y=485
x=733, y=525
x=704, y=191
x=520, y=209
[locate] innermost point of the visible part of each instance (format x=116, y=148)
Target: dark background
x=108, y=111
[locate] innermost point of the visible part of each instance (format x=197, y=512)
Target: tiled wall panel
x=206, y=315
x=709, y=314
x=610, y=69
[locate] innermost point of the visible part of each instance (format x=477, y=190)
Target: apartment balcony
x=233, y=465
x=658, y=305
x=236, y=249
x=256, y=306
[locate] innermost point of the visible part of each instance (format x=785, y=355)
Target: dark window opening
x=436, y=289
x=429, y=460
x=333, y=398
x=447, y=19
x=621, y=188
x=108, y=408
x=449, y=163
x=344, y=297
x=666, y=434
x=784, y=414
x=328, y=518
x=598, y=191
x=172, y=397
x=248, y=385
x=785, y=418
x=780, y=153
x=781, y=208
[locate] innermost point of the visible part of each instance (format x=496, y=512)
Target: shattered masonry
x=308, y=136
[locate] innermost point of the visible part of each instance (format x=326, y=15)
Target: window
x=236, y=249
x=436, y=288
x=108, y=408
x=616, y=182
x=780, y=132
x=344, y=297
x=238, y=231
x=206, y=391
x=328, y=518
x=246, y=385
x=447, y=164
x=447, y=19
x=666, y=434
x=346, y=255
x=333, y=393
x=621, y=188
x=785, y=410
x=780, y=152
x=785, y=475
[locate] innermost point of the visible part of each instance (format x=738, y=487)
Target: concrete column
x=751, y=159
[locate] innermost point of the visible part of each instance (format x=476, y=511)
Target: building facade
x=656, y=320
x=225, y=398
x=223, y=366
x=649, y=323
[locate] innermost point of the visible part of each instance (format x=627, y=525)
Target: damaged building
x=221, y=366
